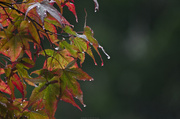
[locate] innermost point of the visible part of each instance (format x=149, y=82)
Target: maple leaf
x=44, y=7
x=53, y=37
x=19, y=85
x=47, y=94
x=60, y=75
x=35, y=115
x=67, y=97
x=56, y=59
x=13, y=46
x=4, y=87
x=88, y=35
x=70, y=86
x=71, y=7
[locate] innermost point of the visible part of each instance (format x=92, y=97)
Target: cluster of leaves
x=28, y=22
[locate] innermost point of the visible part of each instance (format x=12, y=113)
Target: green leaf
x=35, y=80
x=89, y=34
x=28, y=63
x=52, y=21
x=14, y=45
x=72, y=86
x=11, y=47
x=35, y=96
x=83, y=46
x=72, y=63
x=48, y=93
x=51, y=95
x=69, y=30
x=57, y=59
x=22, y=71
x=35, y=115
x=79, y=74
x=70, y=47
x=33, y=31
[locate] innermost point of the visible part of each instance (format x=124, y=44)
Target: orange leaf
x=4, y=87
x=2, y=71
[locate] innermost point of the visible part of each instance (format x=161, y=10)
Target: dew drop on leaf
x=21, y=104
x=102, y=64
x=91, y=79
x=36, y=109
x=84, y=105
x=95, y=63
x=43, y=27
x=29, y=21
x=57, y=48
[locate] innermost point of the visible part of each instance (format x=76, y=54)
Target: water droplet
x=108, y=57
x=21, y=104
x=91, y=79
x=38, y=6
x=24, y=100
x=95, y=63
x=45, y=14
x=43, y=27
x=9, y=8
x=84, y=105
x=8, y=50
x=36, y=109
x=57, y=48
x=29, y=21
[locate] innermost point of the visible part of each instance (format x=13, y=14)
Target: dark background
x=142, y=78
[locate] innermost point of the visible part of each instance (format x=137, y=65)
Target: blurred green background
x=142, y=78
